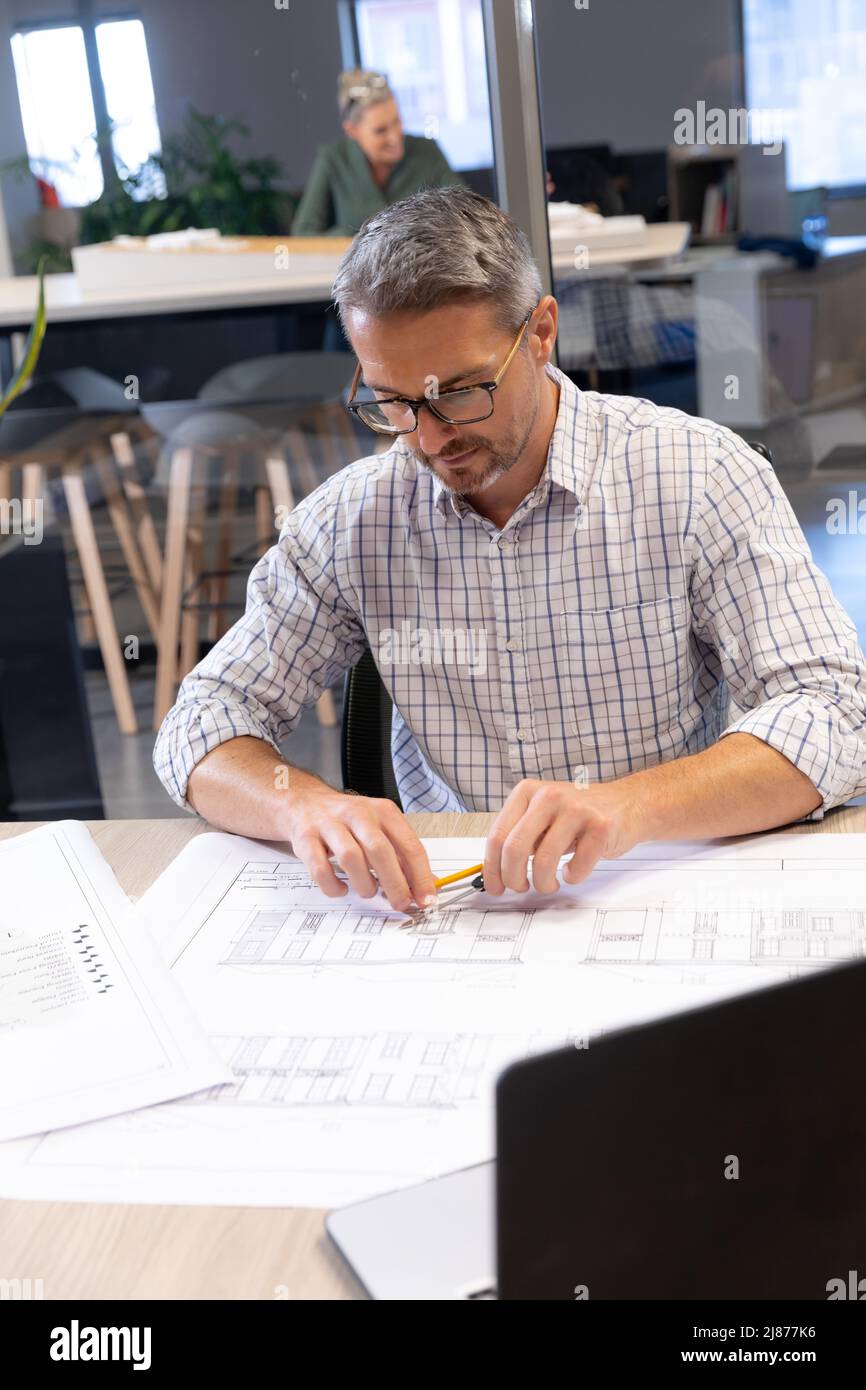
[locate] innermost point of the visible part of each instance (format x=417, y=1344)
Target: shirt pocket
x=627, y=676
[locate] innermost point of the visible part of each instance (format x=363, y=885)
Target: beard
x=494, y=459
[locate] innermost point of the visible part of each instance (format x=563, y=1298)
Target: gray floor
x=131, y=789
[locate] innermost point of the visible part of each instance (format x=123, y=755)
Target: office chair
x=365, y=736
x=760, y=448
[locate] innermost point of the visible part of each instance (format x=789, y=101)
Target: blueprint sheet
x=91, y=1022
x=364, y=1046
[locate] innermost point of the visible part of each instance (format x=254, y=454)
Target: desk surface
x=67, y=303
x=88, y=1250
x=665, y=242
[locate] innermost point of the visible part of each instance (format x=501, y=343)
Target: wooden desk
x=664, y=244
x=124, y=322
x=85, y=1250
x=308, y=280
x=308, y=276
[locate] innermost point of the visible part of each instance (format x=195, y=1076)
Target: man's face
x=419, y=355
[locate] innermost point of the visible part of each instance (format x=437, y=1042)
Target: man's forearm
x=737, y=786
x=244, y=786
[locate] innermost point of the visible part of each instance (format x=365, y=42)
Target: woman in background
x=374, y=165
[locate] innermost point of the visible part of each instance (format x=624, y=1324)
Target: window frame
x=88, y=27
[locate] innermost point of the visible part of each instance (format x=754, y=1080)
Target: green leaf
x=32, y=347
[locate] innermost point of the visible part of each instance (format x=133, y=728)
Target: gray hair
x=359, y=88
x=440, y=246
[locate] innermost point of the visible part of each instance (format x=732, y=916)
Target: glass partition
x=707, y=182
x=704, y=207
x=190, y=388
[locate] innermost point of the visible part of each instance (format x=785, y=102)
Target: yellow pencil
x=455, y=878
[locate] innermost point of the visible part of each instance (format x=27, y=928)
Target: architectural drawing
x=359, y=1063
x=280, y=921
x=668, y=935
x=427, y=1070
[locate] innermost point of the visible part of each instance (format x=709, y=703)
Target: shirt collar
x=566, y=464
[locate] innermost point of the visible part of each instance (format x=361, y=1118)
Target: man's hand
x=735, y=787
x=365, y=835
x=546, y=820
x=245, y=786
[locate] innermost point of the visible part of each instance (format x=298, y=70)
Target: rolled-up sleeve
x=787, y=649
x=299, y=633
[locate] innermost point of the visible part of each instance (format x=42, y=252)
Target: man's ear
x=544, y=328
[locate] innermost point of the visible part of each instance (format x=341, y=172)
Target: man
x=561, y=590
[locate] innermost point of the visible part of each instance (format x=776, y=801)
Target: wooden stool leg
x=172, y=581
x=301, y=457
x=148, y=541
x=123, y=528
x=218, y=622
x=33, y=477
x=280, y=485
x=265, y=529
x=88, y=626
x=33, y=482
x=190, y=623
x=325, y=711
x=98, y=597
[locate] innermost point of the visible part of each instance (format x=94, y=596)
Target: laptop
x=714, y=1154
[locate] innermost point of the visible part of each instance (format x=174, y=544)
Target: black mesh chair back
x=366, y=732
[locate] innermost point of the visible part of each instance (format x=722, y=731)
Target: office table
x=66, y=302
x=81, y=324
x=102, y=1251
x=71, y=310
x=308, y=274
x=663, y=245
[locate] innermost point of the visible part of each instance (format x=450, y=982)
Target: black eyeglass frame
x=416, y=403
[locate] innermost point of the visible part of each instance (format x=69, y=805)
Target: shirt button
x=522, y=735
x=502, y=542
x=511, y=645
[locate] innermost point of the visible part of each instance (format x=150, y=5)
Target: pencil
x=455, y=878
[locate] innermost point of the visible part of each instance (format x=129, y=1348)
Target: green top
x=341, y=193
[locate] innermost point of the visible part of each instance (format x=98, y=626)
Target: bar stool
x=72, y=445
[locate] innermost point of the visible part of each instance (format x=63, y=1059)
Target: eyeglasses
x=464, y=405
